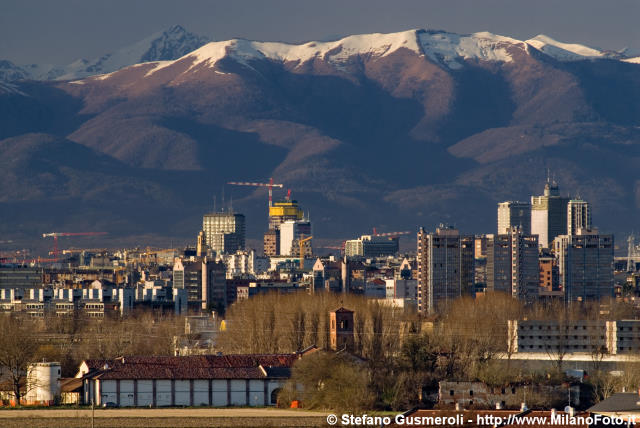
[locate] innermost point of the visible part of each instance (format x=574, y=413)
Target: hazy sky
x=60, y=31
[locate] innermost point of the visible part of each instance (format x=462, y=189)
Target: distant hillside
x=386, y=130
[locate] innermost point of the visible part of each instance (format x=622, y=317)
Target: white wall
x=126, y=393
x=200, y=392
x=163, y=392
x=238, y=392
x=145, y=392
x=183, y=394
x=256, y=393
x=107, y=392
x=219, y=388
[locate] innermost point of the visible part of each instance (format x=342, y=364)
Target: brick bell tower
x=341, y=329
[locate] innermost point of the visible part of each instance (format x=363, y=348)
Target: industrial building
x=445, y=267
x=224, y=232
x=549, y=214
x=585, y=265
x=514, y=214
x=198, y=380
x=512, y=264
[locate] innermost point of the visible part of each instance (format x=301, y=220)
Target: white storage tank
x=43, y=382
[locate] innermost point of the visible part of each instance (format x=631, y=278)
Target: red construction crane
x=392, y=234
x=270, y=185
x=55, y=236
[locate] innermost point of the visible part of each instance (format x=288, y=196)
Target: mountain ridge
x=366, y=134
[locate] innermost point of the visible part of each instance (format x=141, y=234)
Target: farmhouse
x=197, y=380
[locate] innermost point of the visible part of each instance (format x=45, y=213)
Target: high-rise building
x=279, y=213
x=445, y=267
x=290, y=233
x=224, y=231
x=271, y=243
x=204, y=281
x=585, y=265
x=578, y=216
x=372, y=246
x=549, y=214
x=512, y=264
x=201, y=248
x=514, y=214
x=284, y=211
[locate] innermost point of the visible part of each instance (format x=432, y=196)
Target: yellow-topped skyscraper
x=279, y=213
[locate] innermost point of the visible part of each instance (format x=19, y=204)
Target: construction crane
x=391, y=234
x=55, y=236
x=269, y=185
x=301, y=244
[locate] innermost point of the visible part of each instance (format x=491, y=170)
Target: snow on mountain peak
x=441, y=47
x=448, y=48
x=563, y=51
x=375, y=44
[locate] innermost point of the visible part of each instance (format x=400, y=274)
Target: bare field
x=72, y=418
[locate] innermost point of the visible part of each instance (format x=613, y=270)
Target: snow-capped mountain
x=449, y=50
x=414, y=126
x=10, y=72
x=440, y=46
x=568, y=51
x=167, y=45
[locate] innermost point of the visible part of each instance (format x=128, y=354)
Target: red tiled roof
x=190, y=367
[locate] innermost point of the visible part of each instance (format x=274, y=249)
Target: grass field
x=72, y=418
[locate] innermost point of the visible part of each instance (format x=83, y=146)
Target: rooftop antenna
x=214, y=204
x=222, y=199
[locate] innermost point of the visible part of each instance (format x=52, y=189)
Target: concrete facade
x=224, y=232
x=445, y=267
x=579, y=336
x=514, y=214
x=585, y=265
x=512, y=264
x=549, y=215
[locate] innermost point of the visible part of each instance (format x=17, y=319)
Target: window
x=451, y=392
x=471, y=393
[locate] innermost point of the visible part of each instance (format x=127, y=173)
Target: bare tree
x=18, y=349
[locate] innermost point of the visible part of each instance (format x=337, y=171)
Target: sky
x=61, y=31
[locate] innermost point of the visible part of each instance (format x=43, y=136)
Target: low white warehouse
x=199, y=380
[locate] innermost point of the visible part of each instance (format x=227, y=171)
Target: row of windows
x=503, y=391
x=558, y=337
x=553, y=348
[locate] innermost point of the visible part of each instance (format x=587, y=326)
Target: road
x=191, y=417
